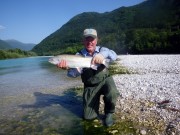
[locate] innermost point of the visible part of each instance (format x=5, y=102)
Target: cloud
x=2, y=27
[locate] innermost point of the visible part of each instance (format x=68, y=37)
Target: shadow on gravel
x=70, y=100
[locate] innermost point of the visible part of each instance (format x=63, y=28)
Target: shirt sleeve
x=74, y=72
x=108, y=54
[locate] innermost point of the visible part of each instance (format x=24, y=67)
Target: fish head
x=54, y=60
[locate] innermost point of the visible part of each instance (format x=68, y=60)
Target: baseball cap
x=90, y=32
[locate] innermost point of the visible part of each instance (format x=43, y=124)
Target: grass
x=116, y=68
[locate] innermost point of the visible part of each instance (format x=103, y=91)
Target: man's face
x=90, y=44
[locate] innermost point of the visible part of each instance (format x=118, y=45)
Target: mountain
x=149, y=27
x=17, y=44
x=4, y=45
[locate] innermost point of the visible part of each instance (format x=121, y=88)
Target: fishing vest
x=92, y=77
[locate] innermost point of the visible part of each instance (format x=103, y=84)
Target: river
x=38, y=98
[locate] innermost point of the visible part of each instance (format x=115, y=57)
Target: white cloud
x=2, y=27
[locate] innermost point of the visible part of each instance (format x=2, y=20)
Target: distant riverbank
x=15, y=53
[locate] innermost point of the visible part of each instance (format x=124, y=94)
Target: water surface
x=33, y=74
x=38, y=94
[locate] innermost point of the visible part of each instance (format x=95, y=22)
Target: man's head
x=90, y=39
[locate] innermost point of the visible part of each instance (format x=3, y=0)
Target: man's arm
x=108, y=54
x=104, y=53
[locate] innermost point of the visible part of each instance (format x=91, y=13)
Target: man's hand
x=63, y=65
x=98, y=59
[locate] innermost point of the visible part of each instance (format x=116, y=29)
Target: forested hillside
x=4, y=45
x=15, y=49
x=17, y=44
x=151, y=27
x=13, y=44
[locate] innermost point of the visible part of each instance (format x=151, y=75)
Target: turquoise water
x=30, y=75
x=36, y=96
x=25, y=76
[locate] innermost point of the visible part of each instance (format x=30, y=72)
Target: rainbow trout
x=77, y=61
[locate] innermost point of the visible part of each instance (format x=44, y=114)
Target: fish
x=77, y=61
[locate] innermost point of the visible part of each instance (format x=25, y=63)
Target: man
x=96, y=82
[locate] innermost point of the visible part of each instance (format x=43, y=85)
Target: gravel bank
x=153, y=89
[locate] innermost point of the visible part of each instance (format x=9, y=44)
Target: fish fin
x=106, y=62
x=94, y=66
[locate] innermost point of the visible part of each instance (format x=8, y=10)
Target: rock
x=113, y=131
x=143, y=132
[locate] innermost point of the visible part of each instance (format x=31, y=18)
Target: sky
x=30, y=21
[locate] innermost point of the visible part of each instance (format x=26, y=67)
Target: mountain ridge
x=12, y=44
x=143, y=28
x=149, y=27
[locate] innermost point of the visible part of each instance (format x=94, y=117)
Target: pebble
x=113, y=131
x=143, y=132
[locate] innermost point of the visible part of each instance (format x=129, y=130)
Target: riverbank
x=151, y=95
x=46, y=102
x=15, y=53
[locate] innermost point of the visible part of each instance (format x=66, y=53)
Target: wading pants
x=99, y=84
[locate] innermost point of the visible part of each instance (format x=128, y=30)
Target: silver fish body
x=77, y=61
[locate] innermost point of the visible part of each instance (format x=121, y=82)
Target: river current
x=40, y=95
